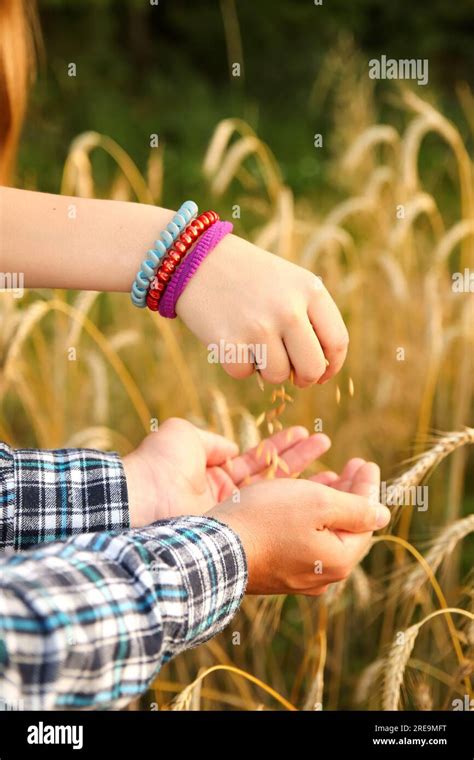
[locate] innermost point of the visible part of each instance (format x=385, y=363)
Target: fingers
x=253, y=461
x=366, y=481
x=305, y=352
x=351, y=467
x=277, y=369
x=302, y=454
x=217, y=448
x=348, y=473
x=239, y=370
x=342, y=482
x=298, y=456
x=330, y=329
x=337, y=510
x=220, y=484
x=326, y=478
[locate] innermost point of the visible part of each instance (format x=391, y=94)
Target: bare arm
x=79, y=243
x=240, y=293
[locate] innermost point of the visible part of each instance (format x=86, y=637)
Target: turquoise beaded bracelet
x=151, y=262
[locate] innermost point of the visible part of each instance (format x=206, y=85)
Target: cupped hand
x=301, y=535
x=182, y=470
x=243, y=295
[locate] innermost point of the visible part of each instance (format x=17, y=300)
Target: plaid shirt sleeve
x=51, y=495
x=88, y=623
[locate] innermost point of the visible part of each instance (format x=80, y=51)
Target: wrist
x=217, y=268
x=143, y=224
x=226, y=514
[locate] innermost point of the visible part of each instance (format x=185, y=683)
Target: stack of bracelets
x=175, y=257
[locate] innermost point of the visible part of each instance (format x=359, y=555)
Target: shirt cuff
x=218, y=588
x=210, y=570
x=52, y=495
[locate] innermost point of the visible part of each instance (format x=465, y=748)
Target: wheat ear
x=399, y=488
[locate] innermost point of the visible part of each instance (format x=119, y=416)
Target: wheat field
x=399, y=633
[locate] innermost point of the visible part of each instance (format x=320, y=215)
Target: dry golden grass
x=409, y=372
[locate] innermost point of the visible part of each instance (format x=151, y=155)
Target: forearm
x=89, y=622
x=61, y=242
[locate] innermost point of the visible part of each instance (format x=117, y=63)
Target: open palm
x=182, y=470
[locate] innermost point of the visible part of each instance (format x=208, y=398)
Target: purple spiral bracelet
x=188, y=268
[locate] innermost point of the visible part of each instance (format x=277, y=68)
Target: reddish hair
x=18, y=27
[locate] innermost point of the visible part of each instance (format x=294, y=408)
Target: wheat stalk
x=441, y=548
x=426, y=462
x=328, y=235
x=249, y=434
x=360, y=584
x=396, y=663
x=31, y=317
x=99, y=437
x=314, y=699
x=100, y=386
x=77, y=174
x=421, y=203
x=378, y=134
x=399, y=654
x=220, y=414
x=368, y=679
x=220, y=141
x=423, y=696
x=184, y=699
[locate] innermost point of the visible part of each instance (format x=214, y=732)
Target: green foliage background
x=143, y=69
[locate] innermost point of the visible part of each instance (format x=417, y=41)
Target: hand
x=182, y=470
x=300, y=535
x=244, y=295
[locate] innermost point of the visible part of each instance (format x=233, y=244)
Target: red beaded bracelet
x=176, y=254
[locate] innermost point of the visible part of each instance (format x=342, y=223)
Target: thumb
x=351, y=512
